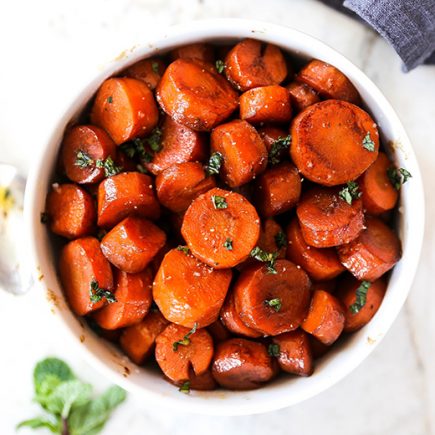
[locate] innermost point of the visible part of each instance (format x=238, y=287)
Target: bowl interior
x=346, y=354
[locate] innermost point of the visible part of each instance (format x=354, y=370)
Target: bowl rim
x=215, y=29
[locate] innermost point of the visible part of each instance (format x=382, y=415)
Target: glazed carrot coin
x=251, y=63
x=199, y=51
x=328, y=220
x=82, y=268
x=71, y=211
x=333, y=142
x=177, y=351
x=302, y=96
x=149, y=71
x=272, y=238
x=132, y=244
x=266, y=104
x=189, y=292
x=243, y=150
x=133, y=296
x=125, y=108
x=124, y=194
x=272, y=301
x=320, y=264
x=328, y=81
x=195, y=97
x=326, y=317
x=82, y=147
x=270, y=134
x=221, y=228
x=181, y=183
x=374, y=252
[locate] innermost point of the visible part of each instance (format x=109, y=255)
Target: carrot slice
x=175, y=360
x=252, y=63
x=327, y=220
x=194, y=96
x=326, y=317
x=272, y=303
x=328, y=81
x=320, y=264
x=266, y=104
x=125, y=108
x=133, y=300
x=71, y=211
x=374, y=252
x=82, y=263
x=198, y=51
x=270, y=134
x=379, y=195
x=124, y=194
x=138, y=341
x=243, y=150
x=132, y=244
x=187, y=291
x=302, y=96
x=240, y=364
x=149, y=71
x=221, y=228
x=218, y=331
x=82, y=146
x=333, y=142
x=180, y=184
x=203, y=382
x=272, y=238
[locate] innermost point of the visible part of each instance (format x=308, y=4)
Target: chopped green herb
x=277, y=148
x=367, y=143
x=109, y=166
x=44, y=218
x=154, y=139
x=96, y=293
x=185, y=387
x=155, y=67
x=360, y=297
x=219, y=202
x=110, y=99
x=184, y=249
x=280, y=239
x=273, y=349
x=266, y=257
x=276, y=303
x=228, y=244
x=147, y=157
x=220, y=66
x=398, y=176
x=133, y=148
x=350, y=192
x=214, y=163
x=185, y=341
x=83, y=160
x=141, y=169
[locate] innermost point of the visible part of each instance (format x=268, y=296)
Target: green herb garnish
x=266, y=257
x=110, y=100
x=220, y=66
x=219, y=202
x=185, y=341
x=398, y=176
x=228, y=244
x=97, y=293
x=360, y=297
x=155, y=67
x=184, y=249
x=185, y=387
x=350, y=192
x=109, y=166
x=133, y=148
x=154, y=139
x=83, y=160
x=276, y=303
x=273, y=349
x=367, y=143
x=281, y=144
x=214, y=163
x=280, y=240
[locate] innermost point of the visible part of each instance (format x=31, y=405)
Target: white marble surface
x=49, y=47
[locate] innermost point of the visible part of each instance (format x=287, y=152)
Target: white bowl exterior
x=289, y=390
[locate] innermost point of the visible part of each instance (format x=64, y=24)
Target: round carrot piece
x=243, y=150
x=333, y=142
x=132, y=244
x=376, y=250
x=198, y=51
x=270, y=134
x=379, y=195
x=359, y=313
x=320, y=264
x=327, y=220
x=179, y=144
x=124, y=194
x=125, y=108
x=221, y=228
x=278, y=189
x=328, y=81
x=302, y=96
x=180, y=184
x=82, y=146
x=138, y=341
x=133, y=296
x=252, y=63
x=177, y=351
x=194, y=96
x=272, y=238
x=240, y=364
x=71, y=211
x=266, y=104
x=81, y=264
x=272, y=303
x=149, y=71
x=326, y=317
x=294, y=354
x=218, y=331
x=189, y=292
x=203, y=382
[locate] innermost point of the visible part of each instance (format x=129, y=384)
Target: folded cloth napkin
x=408, y=25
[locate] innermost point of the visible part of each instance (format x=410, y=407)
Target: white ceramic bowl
x=288, y=390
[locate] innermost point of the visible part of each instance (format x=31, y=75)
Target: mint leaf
x=40, y=422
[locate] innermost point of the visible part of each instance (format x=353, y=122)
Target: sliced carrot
x=326, y=317
x=221, y=228
x=243, y=150
x=374, y=252
x=272, y=238
x=189, y=292
x=333, y=142
x=203, y=382
x=81, y=264
x=125, y=108
x=218, y=331
x=149, y=71
x=197, y=51
x=327, y=220
x=132, y=244
x=302, y=96
x=175, y=360
x=270, y=134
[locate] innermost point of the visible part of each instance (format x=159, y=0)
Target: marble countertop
x=49, y=48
